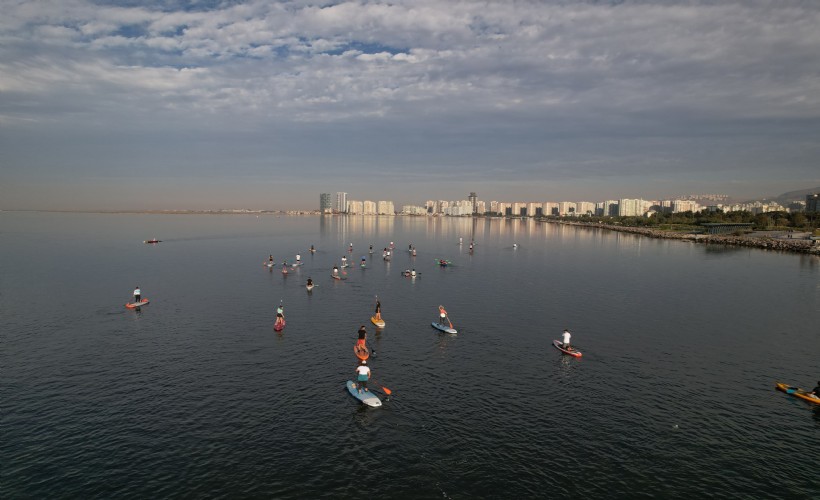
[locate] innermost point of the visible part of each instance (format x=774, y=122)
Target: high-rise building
x=369, y=207
x=813, y=202
x=584, y=208
x=325, y=205
x=355, y=207
x=566, y=208
x=473, y=199
x=341, y=202
x=386, y=208
x=631, y=207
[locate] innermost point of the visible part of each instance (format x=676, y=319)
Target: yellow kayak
x=798, y=393
x=378, y=322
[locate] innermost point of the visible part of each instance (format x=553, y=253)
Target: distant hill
x=786, y=198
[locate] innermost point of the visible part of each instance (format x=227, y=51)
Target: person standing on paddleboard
x=442, y=316
x=335, y=271
x=566, y=337
x=378, y=310
x=816, y=391
x=137, y=294
x=363, y=375
x=298, y=259
x=362, y=336
x=344, y=261
x=280, y=314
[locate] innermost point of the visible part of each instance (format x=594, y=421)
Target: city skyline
x=206, y=105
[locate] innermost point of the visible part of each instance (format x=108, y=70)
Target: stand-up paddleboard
x=297, y=264
x=309, y=287
x=361, y=352
x=798, y=393
x=560, y=346
x=152, y=241
x=378, y=322
x=337, y=277
x=280, y=325
x=444, y=328
x=269, y=265
x=134, y=305
x=366, y=397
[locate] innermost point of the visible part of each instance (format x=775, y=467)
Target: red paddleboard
x=134, y=305
x=279, y=325
x=361, y=352
x=560, y=346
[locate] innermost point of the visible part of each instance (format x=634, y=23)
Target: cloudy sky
x=128, y=104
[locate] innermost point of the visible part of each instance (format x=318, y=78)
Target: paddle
x=383, y=388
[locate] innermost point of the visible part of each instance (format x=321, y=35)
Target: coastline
x=803, y=246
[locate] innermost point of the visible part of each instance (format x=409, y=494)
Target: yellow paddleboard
x=378, y=322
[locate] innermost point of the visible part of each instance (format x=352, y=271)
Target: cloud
x=507, y=81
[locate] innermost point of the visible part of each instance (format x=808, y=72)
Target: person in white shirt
x=344, y=261
x=298, y=258
x=567, y=336
x=137, y=294
x=363, y=375
x=413, y=273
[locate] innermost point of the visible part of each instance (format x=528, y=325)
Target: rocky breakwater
x=764, y=242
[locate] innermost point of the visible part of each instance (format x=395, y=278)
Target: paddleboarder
x=335, y=271
x=362, y=336
x=378, y=310
x=816, y=391
x=280, y=314
x=137, y=294
x=413, y=273
x=310, y=282
x=363, y=375
x=312, y=249
x=270, y=260
x=364, y=261
x=344, y=261
x=371, y=249
x=566, y=336
x=442, y=315
x=298, y=259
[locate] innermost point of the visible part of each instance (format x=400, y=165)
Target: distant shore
x=765, y=242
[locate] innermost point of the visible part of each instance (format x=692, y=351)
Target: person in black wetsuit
x=816, y=391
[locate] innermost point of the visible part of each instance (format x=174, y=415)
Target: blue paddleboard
x=366, y=397
x=444, y=328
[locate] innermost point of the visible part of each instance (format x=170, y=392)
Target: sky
x=172, y=104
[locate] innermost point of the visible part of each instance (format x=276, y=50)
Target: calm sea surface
x=196, y=396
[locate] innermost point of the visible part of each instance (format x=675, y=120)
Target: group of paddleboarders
x=410, y=272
